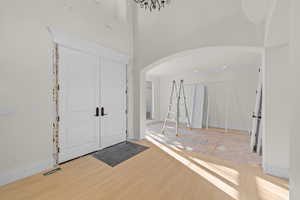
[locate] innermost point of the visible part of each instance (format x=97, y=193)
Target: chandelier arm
x=159, y=5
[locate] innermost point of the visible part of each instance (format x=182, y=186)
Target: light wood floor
x=158, y=173
x=231, y=145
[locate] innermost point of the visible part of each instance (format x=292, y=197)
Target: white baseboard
x=153, y=121
x=276, y=171
x=14, y=175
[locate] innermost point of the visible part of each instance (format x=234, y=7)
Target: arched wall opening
x=143, y=72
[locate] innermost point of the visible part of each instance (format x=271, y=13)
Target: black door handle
x=102, y=111
x=97, y=112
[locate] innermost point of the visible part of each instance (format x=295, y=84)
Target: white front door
x=113, y=102
x=78, y=99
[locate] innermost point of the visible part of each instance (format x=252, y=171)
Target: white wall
x=241, y=83
x=195, y=24
x=156, y=96
x=277, y=111
x=294, y=97
x=279, y=92
x=25, y=92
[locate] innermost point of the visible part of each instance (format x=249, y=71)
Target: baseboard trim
x=276, y=171
x=153, y=121
x=17, y=174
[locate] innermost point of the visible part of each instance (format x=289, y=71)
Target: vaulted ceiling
x=208, y=60
x=192, y=24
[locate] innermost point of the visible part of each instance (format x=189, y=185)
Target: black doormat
x=119, y=153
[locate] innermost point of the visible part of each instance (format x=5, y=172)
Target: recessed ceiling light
x=196, y=70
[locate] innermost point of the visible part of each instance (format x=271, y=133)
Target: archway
x=224, y=49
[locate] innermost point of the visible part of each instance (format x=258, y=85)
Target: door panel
x=79, y=97
x=113, y=101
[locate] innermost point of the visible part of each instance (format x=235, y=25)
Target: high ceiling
x=207, y=60
x=198, y=23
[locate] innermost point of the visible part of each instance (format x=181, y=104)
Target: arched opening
x=227, y=105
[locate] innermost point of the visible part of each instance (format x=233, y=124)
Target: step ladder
x=256, y=132
x=174, y=116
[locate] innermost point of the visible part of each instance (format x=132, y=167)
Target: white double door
x=92, y=103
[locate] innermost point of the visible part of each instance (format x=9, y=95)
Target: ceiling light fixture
x=152, y=4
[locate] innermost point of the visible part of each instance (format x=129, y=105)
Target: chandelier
x=152, y=4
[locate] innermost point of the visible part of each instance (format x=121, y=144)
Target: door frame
x=152, y=99
x=62, y=39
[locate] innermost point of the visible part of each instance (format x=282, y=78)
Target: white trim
x=153, y=95
x=93, y=48
x=153, y=121
x=142, y=105
x=276, y=171
x=24, y=172
x=263, y=111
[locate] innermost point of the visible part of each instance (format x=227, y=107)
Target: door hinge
x=58, y=87
x=58, y=118
x=58, y=150
x=126, y=111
